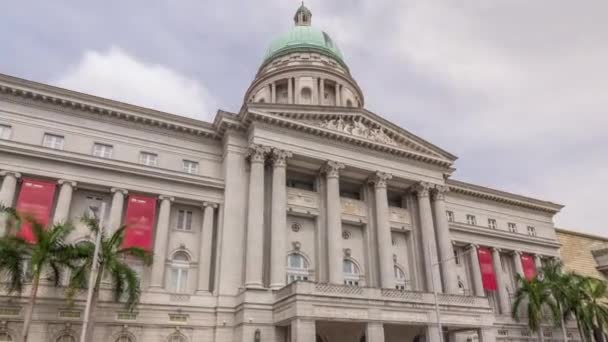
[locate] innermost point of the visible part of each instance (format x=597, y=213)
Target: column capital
x=5, y=173
x=279, y=157
x=518, y=253
x=422, y=189
x=210, y=204
x=69, y=182
x=257, y=153
x=165, y=197
x=379, y=179
x=473, y=246
x=495, y=249
x=332, y=169
x=439, y=192
x=123, y=191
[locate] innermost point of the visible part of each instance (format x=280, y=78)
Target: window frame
x=352, y=278
x=492, y=224
x=297, y=273
x=450, y=215
x=6, y=130
x=179, y=269
x=143, y=158
x=184, y=227
x=512, y=227
x=50, y=140
x=100, y=150
x=531, y=231
x=471, y=220
x=187, y=166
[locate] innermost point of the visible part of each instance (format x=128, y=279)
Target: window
x=65, y=338
x=400, y=278
x=456, y=256
x=351, y=273
x=184, y=220
x=149, y=159
x=178, y=280
x=102, y=150
x=531, y=231
x=93, y=207
x=297, y=268
x=461, y=287
x=190, y=166
x=471, y=220
x=492, y=223
x=5, y=133
x=306, y=96
x=5, y=337
x=512, y=227
x=450, y=216
x=123, y=338
x=53, y=141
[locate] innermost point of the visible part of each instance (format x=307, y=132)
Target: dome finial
x=303, y=16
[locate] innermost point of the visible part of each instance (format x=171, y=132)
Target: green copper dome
x=303, y=37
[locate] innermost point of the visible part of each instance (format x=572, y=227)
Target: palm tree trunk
x=541, y=338
x=30, y=307
x=563, y=322
x=94, y=301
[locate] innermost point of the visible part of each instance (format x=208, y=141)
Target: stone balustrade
x=400, y=215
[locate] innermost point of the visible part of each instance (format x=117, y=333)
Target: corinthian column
x=278, y=219
x=255, y=218
x=519, y=269
x=160, y=241
x=116, y=209
x=335, y=257
x=205, y=246
x=503, y=295
x=444, y=241
x=476, y=271
x=387, y=273
x=7, y=194
x=64, y=200
x=429, y=245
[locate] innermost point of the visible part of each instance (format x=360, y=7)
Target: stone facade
x=584, y=254
x=304, y=217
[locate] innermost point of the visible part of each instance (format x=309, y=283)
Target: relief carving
x=357, y=128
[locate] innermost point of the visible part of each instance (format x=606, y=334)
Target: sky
x=517, y=89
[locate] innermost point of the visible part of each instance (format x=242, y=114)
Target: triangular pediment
x=352, y=125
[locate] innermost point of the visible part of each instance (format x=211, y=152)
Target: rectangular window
x=149, y=159
x=450, y=215
x=184, y=220
x=5, y=132
x=102, y=150
x=53, y=141
x=492, y=223
x=93, y=207
x=531, y=231
x=471, y=220
x=512, y=227
x=456, y=256
x=190, y=166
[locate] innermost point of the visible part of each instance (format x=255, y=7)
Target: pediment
x=355, y=126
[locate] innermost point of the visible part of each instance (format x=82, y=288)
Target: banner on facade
x=486, y=266
x=36, y=201
x=527, y=263
x=139, y=220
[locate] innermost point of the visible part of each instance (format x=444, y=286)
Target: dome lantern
x=303, y=16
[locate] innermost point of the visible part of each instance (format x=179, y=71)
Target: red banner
x=487, y=268
x=527, y=263
x=139, y=220
x=36, y=200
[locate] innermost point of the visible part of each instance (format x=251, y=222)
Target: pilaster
x=384, y=238
x=278, y=219
x=444, y=241
x=335, y=255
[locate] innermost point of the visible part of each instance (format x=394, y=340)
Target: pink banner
x=487, y=268
x=139, y=219
x=35, y=200
x=527, y=263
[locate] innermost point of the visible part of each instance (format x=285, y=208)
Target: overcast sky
x=517, y=89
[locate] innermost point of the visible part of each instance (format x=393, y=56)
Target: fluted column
x=517, y=262
x=116, y=209
x=255, y=218
x=160, y=241
x=7, y=194
x=278, y=219
x=206, y=246
x=335, y=255
x=429, y=245
x=476, y=271
x=64, y=200
x=503, y=295
x=374, y=332
x=383, y=230
x=444, y=241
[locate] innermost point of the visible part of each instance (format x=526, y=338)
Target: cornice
x=502, y=196
x=581, y=234
x=504, y=235
x=107, y=164
x=25, y=91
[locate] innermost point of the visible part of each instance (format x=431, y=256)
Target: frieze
x=359, y=129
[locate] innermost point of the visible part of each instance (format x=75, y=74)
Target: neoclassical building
x=304, y=217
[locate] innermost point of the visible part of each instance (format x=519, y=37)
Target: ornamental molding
x=257, y=153
x=332, y=169
x=423, y=189
x=439, y=192
x=356, y=127
x=379, y=179
x=279, y=157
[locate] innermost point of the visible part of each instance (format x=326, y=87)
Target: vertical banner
x=36, y=201
x=527, y=263
x=139, y=220
x=487, y=268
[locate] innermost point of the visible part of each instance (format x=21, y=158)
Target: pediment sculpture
x=359, y=129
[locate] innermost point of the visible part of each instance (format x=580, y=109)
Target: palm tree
x=537, y=297
x=592, y=311
x=560, y=287
x=112, y=262
x=47, y=252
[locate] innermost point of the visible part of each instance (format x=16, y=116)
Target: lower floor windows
x=351, y=273
x=297, y=268
x=178, y=276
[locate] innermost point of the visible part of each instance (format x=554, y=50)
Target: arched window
x=297, y=267
x=176, y=338
x=178, y=277
x=351, y=273
x=5, y=337
x=400, y=278
x=65, y=338
x=124, y=338
x=306, y=96
x=349, y=103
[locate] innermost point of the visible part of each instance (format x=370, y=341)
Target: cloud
x=116, y=75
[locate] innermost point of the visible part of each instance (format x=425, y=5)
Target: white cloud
x=116, y=75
